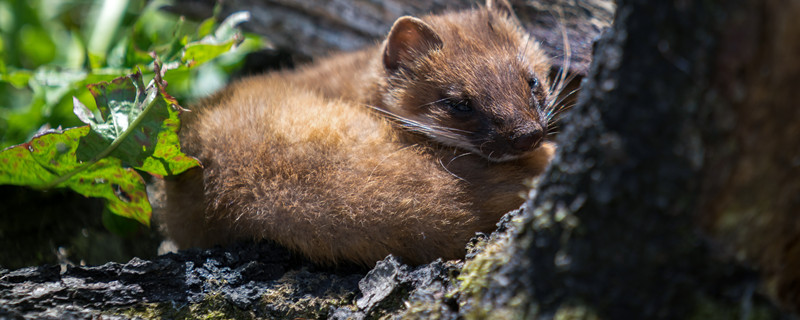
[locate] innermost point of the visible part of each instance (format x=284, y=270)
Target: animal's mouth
x=492, y=150
x=504, y=154
x=507, y=149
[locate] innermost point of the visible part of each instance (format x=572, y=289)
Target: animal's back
x=323, y=177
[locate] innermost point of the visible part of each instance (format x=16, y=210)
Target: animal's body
x=408, y=147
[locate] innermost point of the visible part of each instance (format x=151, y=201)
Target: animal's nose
x=527, y=141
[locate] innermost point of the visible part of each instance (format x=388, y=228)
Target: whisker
x=480, y=147
x=412, y=125
x=451, y=173
x=521, y=55
x=563, y=85
x=553, y=129
x=558, y=104
x=458, y=156
x=561, y=77
x=567, y=52
x=556, y=116
x=569, y=79
x=555, y=106
x=554, y=103
x=404, y=119
x=489, y=157
x=562, y=108
x=432, y=102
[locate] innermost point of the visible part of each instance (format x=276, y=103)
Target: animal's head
x=472, y=79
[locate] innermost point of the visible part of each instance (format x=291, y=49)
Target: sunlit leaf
x=18, y=79
x=200, y=53
x=132, y=127
x=206, y=27
x=224, y=38
x=140, y=122
x=36, y=44
x=227, y=29
x=137, y=128
x=48, y=158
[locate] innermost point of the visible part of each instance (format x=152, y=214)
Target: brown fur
x=299, y=157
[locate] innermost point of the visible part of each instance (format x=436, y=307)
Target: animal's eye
x=533, y=83
x=461, y=106
x=536, y=87
x=537, y=92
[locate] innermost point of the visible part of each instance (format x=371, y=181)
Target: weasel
x=406, y=148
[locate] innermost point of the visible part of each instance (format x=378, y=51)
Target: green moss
x=291, y=298
x=575, y=312
x=297, y=295
x=213, y=307
x=711, y=309
x=474, y=279
x=421, y=310
x=474, y=275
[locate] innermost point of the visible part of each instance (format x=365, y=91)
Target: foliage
x=59, y=65
x=50, y=50
x=138, y=128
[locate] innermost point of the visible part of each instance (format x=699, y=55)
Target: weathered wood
x=314, y=28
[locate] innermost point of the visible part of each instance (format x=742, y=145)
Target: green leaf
x=227, y=29
x=48, y=158
x=118, y=224
x=142, y=121
x=36, y=44
x=137, y=127
x=199, y=53
x=18, y=79
x=132, y=127
x=226, y=37
x=206, y=27
x=30, y=163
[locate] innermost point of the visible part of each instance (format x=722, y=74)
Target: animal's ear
x=409, y=38
x=501, y=7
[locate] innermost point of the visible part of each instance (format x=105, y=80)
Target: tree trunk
x=688, y=122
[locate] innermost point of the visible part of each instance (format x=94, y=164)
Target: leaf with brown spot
x=50, y=156
x=140, y=124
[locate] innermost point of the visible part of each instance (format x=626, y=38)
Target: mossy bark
x=686, y=128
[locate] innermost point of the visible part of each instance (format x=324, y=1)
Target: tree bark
x=688, y=122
